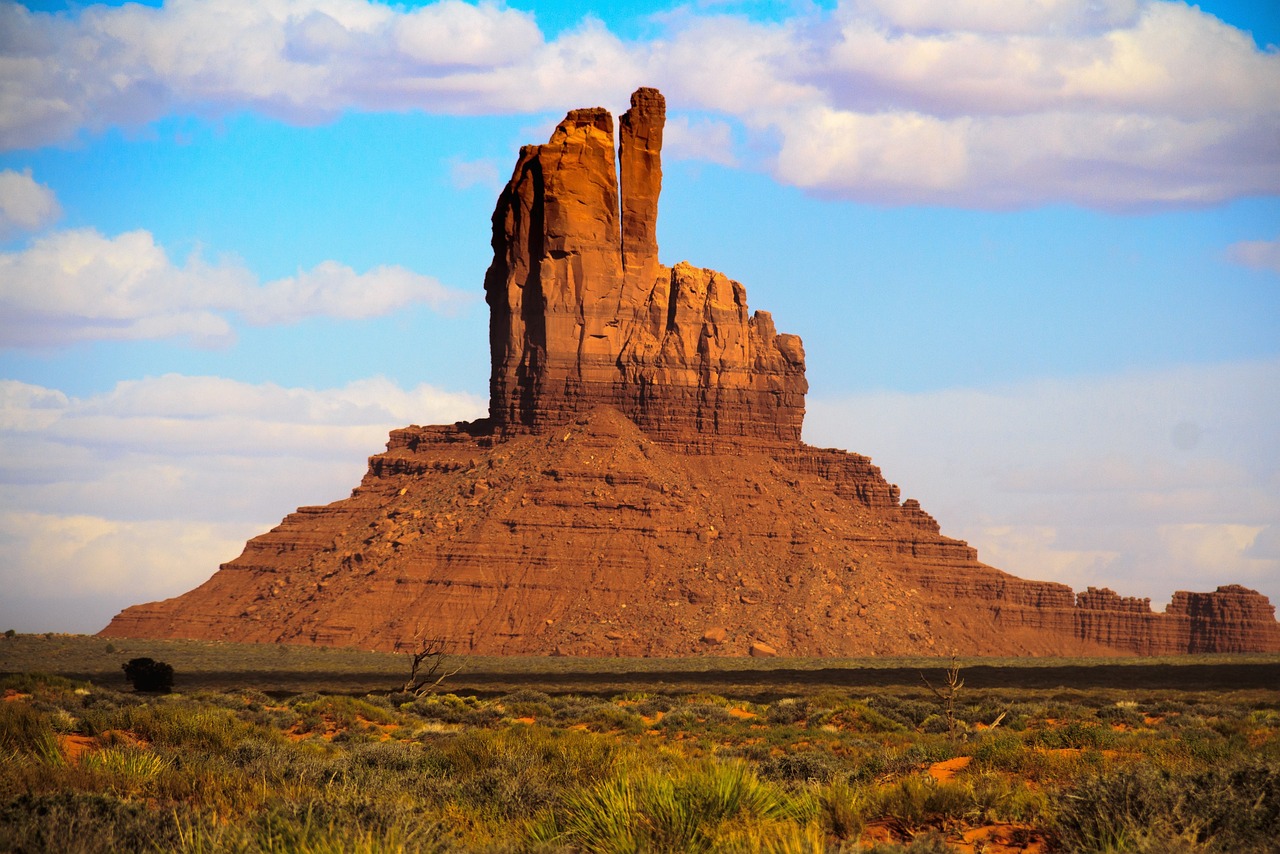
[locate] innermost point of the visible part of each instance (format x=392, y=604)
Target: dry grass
x=88, y=767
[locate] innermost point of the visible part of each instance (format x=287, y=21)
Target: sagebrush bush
x=788, y=711
x=697, y=809
x=22, y=727
x=1144, y=809
x=809, y=766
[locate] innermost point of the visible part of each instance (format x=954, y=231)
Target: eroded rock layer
x=640, y=487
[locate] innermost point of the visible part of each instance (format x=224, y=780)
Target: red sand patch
x=527, y=721
x=75, y=746
x=884, y=830
x=384, y=730
x=1076, y=752
x=121, y=736
x=742, y=714
x=1002, y=839
x=12, y=696
x=998, y=838
x=947, y=769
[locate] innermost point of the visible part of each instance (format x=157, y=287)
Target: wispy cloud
x=1147, y=482
x=140, y=492
x=78, y=285
x=465, y=174
x=1256, y=254
x=25, y=204
x=688, y=138
x=1116, y=105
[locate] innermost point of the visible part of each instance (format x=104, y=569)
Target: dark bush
x=788, y=711
x=147, y=674
x=804, y=767
x=85, y=823
x=1155, y=810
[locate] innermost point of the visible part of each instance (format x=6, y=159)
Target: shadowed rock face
x=640, y=487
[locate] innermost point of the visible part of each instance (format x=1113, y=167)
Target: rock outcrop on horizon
x=640, y=487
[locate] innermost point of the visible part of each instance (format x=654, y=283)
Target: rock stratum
x=640, y=486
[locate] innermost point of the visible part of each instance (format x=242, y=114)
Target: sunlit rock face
x=583, y=314
x=640, y=487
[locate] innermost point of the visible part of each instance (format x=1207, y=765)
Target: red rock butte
x=640, y=486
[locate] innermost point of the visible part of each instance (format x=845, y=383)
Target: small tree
x=147, y=674
x=429, y=667
x=948, y=697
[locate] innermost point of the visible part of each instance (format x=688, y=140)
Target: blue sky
x=1033, y=250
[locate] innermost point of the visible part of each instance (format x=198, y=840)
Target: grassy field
x=267, y=667
x=262, y=748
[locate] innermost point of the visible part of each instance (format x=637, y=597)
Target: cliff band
x=640, y=487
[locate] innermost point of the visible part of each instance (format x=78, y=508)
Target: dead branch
x=948, y=698
x=429, y=667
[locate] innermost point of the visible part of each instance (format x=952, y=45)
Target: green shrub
x=918, y=800
x=1123, y=715
x=1001, y=751
x=35, y=682
x=608, y=717
x=513, y=773
x=190, y=726
x=84, y=823
x=22, y=728
x=1075, y=735
x=694, y=810
x=126, y=770
x=1146, y=809
x=650, y=706
x=1137, y=809
x=788, y=711
x=843, y=809
x=808, y=766
x=451, y=709
x=1241, y=806
x=909, y=713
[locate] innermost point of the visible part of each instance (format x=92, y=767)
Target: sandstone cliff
x=640, y=487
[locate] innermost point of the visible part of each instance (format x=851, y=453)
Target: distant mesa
x=640, y=486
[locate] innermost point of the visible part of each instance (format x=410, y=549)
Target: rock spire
x=583, y=313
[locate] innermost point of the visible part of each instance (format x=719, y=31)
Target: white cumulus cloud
x=1119, y=104
x=140, y=492
x=25, y=204
x=79, y=285
x=1145, y=482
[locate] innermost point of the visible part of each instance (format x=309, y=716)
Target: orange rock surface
x=582, y=313
x=640, y=487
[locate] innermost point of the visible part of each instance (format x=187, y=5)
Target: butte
x=640, y=486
